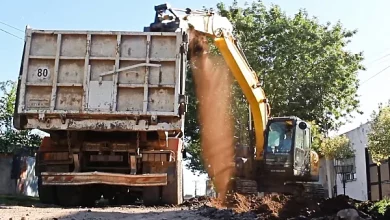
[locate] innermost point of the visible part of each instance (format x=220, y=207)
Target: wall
x=357, y=188
x=27, y=184
x=7, y=186
x=323, y=179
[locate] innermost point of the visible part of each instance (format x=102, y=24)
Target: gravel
x=134, y=213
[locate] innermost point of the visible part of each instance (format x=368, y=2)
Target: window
x=346, y=168
x=299, y=138
x=350, y=177
x=279, y=137
x=307, y=143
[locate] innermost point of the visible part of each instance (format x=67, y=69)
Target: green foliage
x=338, y=147
x=10, y=138
x=303, y=67
x=381, y=206
x=379, y=135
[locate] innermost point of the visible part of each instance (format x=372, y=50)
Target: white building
x=356, y=185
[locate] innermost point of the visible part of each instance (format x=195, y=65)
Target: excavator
x=283, y=160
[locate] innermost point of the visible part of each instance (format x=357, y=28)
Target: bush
x=338, y=148
x=381, y=209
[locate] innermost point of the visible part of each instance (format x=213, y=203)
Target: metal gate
x=378, y=178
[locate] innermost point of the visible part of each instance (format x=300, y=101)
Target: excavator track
x=314, y=190
x=304, y=190
x=245, y=186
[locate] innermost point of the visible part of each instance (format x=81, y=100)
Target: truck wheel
x=151, y=195
x=46, y=193
x=72, y=196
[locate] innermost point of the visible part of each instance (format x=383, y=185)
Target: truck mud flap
x=49, y=178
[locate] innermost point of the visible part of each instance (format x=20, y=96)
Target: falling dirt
x=212, y=88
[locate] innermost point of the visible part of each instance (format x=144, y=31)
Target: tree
x=339, y=155
x=303, y=66
x=379, y=135
x=337, y=148
x=10, y=138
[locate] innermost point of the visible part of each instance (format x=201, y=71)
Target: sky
x=124, y=15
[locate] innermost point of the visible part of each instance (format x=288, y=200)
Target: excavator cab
x=287, y=148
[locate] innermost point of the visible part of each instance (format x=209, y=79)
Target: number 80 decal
x=43, y=72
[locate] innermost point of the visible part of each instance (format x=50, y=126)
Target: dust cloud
x=212, y=87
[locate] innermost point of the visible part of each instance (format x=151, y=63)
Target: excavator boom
x=221, y=30
x=250, y=86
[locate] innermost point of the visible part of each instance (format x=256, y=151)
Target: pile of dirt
x=278, y=207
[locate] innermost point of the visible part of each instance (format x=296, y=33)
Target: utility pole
x=196, y=187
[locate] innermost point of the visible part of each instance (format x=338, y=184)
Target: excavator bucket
x=210, y=24
x=206, y=21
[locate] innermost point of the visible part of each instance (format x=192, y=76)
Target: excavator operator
x=287, y=141
x=280, y=138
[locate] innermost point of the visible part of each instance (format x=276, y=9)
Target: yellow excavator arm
x=221, y=30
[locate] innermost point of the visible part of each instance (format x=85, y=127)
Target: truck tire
x=151, y=195
x=46, y=193
x=71, y=196
x=123, y=197
x=172, y=194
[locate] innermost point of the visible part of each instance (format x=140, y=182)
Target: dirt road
x=124, y=212
x=275, y=207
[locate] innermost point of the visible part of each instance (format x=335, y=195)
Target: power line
x=376, y=74
x=11, y=34
x=378, y=59
x=12, y=26
x=382, y=57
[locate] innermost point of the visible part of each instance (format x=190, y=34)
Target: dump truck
x=113, y=104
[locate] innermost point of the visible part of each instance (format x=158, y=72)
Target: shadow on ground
x=28, y=201
x=18, y=200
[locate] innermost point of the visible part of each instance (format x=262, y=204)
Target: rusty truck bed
x=49, y=178
x=79, y=79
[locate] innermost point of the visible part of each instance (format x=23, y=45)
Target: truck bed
x=83, y=80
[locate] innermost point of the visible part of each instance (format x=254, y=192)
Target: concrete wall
x=357, y=188
x=7, y=186
x=27, y=184
x=323, y=180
